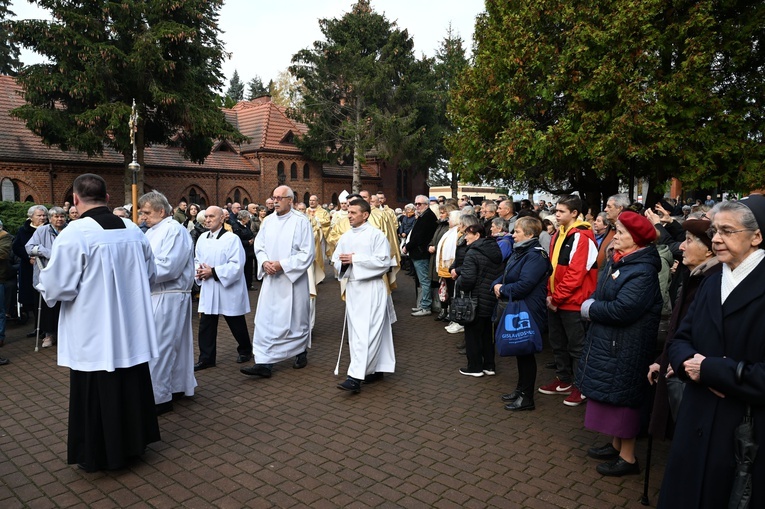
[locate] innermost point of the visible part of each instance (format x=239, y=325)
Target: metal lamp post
x=134, y=166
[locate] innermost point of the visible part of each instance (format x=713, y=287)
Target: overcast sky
x=262, y=36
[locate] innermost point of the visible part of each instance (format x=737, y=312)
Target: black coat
x=422, y=233
x=621, y=339
x=245, y=235
x=482, y=265
x=701, y=463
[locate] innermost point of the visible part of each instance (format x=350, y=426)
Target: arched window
x=9, y=190
x=280, y=177
x=334, y=199
x=29, y=199
x=293, y=171
x=245, y=202
x=193, y=196
x=237, y=196
x=306, y=172
x=306, y=197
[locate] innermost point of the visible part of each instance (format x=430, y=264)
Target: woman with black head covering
x=719, y=352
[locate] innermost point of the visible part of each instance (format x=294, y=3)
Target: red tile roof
x=17, y=143
x=266, y=124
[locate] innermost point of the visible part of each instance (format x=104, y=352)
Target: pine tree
x=9, y=51
x=255, y=88
x=103, y=55
x=235, y=88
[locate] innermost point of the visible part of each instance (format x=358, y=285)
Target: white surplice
x=228, y=295
x=283, y=316
x=368, y=307
x=91, y=335
x=173, y=371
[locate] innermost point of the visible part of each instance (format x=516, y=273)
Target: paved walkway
x=424, y=437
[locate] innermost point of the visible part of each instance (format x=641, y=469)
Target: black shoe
x=301, y=361
x=607, y=452
x=507, y=398
x=441, y=316
x=257, y=370
x=243, y=358
x=522, y=403
x=351, y=384
x=460, y=345
x=550, y=365
x=3, y=361
x=374, y=377
x=618, y=468
x=178, y=396
x=462, y=351
x=203, y=365
x=163, y=408
x=32, y=334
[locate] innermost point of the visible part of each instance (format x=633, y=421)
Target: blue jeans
x=422, y=268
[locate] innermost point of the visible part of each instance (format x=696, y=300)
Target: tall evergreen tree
x=9, y=51
x=103, y=55
x=360, y=90
x=255, y=88
x=235, y=88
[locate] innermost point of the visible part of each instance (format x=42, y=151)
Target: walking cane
x=37, y=331
x=644, y=500
x=342, y=339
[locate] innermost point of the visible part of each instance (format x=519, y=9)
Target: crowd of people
x=625, y=298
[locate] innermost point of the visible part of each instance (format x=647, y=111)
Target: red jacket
x=575, y=268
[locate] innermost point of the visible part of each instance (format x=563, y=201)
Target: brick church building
x=31, y=171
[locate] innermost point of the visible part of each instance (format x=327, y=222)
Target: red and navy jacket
x=575, y=267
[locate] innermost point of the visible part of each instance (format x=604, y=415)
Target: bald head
x=213, y=218
x=283, y=197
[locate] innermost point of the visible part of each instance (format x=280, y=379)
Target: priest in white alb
x=101, y=268
x=285, y=251
x=219, y=260
x=362, y=258
x=172, y=373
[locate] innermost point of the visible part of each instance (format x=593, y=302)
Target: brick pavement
x=424, y=437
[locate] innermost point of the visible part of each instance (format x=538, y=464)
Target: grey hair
x=745, y=214
x=156, y=201
x=454, y=216
x=33, y=208
x=409, y=206
x=201, y=216
x=469, y=220
x=468, y=210
x=621, y=200
x=56, y=211
x=242, y=215
x=501, y=223
x=603, y=216
x=490, y=205
x=427, y=199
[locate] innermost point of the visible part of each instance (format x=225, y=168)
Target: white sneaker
x=416, y=309
x=451, y=324
x=456, y=329
x=422, y=312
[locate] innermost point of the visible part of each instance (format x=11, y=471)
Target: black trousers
x=208, y=336
x=479, y=344
x=527, y=374
x=249, y=265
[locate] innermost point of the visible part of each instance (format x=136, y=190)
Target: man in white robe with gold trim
x=173, y=371
x=285, y=251
x=362, y=258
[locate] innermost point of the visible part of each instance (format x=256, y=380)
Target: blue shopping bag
x=517, y=332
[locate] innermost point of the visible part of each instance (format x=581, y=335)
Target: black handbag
x=463, y=307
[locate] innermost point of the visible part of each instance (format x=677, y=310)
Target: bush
x=13, y=214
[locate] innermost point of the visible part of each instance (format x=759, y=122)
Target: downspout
x=217, y=185
x=51, y=176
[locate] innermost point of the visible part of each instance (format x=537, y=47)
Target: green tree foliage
x=363, y=89
x=102, y=55
x=578, y=96
x=450, y=63
x=286, y=91
x=235, y=88
x=9, y=51
x=255, y=88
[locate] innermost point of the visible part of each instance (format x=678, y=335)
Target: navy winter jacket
x=525, y=278
x=621, y=339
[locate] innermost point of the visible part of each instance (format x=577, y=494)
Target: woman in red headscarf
x=624, y=312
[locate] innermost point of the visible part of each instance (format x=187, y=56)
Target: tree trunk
x=357, y=155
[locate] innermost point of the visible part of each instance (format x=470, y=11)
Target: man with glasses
x=416, y=246
x=285, y=251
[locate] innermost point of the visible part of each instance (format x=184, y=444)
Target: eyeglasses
x=724, y=233
x=420, y=203
x=280, y=198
